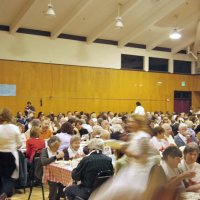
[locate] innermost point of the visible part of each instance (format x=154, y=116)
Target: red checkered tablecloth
x=57, y=173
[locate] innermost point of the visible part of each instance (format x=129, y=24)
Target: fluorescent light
x=175, y=35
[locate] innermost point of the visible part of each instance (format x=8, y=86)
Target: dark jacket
x=90, y=166
x=44, y=160
x=179, y=142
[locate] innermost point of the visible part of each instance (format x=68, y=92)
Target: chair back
x=34, y=163
x=34, y=179
x=101, y=177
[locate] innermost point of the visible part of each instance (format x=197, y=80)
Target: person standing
x=29, y=109
x=9, y=142
x=139, y=110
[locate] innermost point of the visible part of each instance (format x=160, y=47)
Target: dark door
x=182, y=101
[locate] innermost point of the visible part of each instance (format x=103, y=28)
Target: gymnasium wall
x=62, y=88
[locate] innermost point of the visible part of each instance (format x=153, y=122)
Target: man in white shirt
x=139, y=109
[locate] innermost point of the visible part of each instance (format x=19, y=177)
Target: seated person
x=87, y=170
x=168, y=134
x=82, y=131
x=34, y=143
x=191, y=153
x=46, y=132
x=66, y=132
x=158, y=140
x=74, y=150
x=183, y=137
x=48, y=156
x=171, y=158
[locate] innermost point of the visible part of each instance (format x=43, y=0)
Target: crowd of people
x=158, y=151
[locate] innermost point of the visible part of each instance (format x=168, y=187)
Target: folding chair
x=34, y=181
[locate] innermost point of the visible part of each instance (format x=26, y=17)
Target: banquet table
x=58, y=172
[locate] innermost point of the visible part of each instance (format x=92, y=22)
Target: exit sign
x=183, y=83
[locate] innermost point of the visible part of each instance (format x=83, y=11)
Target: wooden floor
x=36, y=194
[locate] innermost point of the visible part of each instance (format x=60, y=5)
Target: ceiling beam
x=17, y=22
x=183, y=44
x=68, y=19
x=158, y=41
x=197, y=39
x=125, y=9
x=155, y=15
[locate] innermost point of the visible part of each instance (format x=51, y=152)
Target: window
x=182, y=95
x=182, y=67
x=132, y=62
x=158, y=64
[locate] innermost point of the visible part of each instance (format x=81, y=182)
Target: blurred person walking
x=132, y=181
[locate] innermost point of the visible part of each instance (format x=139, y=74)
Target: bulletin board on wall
x=7, y=90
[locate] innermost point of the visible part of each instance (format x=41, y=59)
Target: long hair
x=5, y=115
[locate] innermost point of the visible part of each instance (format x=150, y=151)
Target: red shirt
x=32, y=145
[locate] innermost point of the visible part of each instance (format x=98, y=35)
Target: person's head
x=45, y=124
x=191, y=153
x=110, y=114
x=105, y=135
x=54, y=143
x=28, y=103
x=105, y=124
x=167, y=128
x=116, y=120
x=35, y=132
x=182, y=129
x=41, y=115
x=99, y=120
x=90, y=122
x=67, y=128
x=159, y=132
x=138, y=103
x=136, y=123
x=78, y=124
x=93, y=115
x=72, y=121
x=19, y=114
x=96, y=144
x=172, y=155
x=69, y=114
x=21, y=127
x=189, y=124
x=5, y=116
x=35, y=123
x=75, y=142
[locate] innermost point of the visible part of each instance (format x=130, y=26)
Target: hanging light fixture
x=175, y=35
x=50, y=11
x=118, y=20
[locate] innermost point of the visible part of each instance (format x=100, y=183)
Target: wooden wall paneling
x=195, y=100
x=64, y=88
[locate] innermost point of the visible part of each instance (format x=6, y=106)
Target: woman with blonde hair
x=131, y=181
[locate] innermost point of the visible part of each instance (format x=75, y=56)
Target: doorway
x=182, y=101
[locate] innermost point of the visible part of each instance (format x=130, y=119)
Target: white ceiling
x=147, y=22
